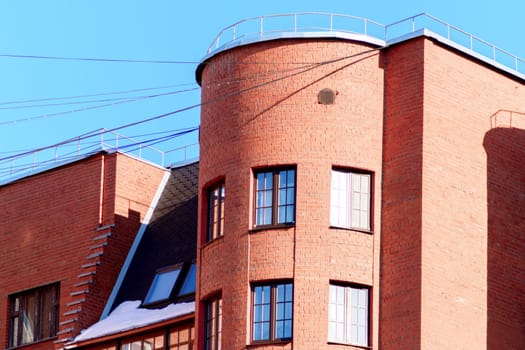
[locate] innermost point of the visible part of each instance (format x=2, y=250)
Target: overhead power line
x=48, y=115
x=203, y=103
x=94, y=146
x=92, y=59
x=130, y=98
x=126, y=60
x=95, y=94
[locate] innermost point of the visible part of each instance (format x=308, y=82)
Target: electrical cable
x=131, y=98
x=228, y=82
x=91, y=59
x=203, y=103
x=96, y=94
x=95, y=146
x=48, y=115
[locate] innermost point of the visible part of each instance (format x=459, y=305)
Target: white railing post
x=261, y=30
x=295, y=22
x=234, y=32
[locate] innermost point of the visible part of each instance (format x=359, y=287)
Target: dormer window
x=188, y=287
x=174, y=283
x=163, y=285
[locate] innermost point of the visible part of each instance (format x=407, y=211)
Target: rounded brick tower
x=290, y=174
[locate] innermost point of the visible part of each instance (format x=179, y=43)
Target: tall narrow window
x=216, y=211
x=33, y=315
x=350, y=200
x=272, y=312
x=213, y=324
x=348, y=315
x=275, y=197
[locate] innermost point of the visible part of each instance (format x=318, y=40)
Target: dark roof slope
x=169, y=239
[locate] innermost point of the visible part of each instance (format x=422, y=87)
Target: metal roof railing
x=457, y=36
x=30, y=162
x=258, y=27
x=275, y=26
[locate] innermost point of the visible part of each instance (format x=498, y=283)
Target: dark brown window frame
x=16, y=315
x=176, y=288
x=211, y=232
x=213, y=307
x=273, y=312
x=275, y=171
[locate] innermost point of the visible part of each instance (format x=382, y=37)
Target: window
x=272, y=312
x=162, y=285
x=155, y=341
x=182, y=338
x=350, y=200
x=33, y=315
x=172, y=284
x=275, y=197
x=188, y=287
x=140, y=345
x=348, y=315
x=213, y=324
x=215, y=212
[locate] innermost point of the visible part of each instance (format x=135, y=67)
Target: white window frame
x=350, y=199
x=348, y=314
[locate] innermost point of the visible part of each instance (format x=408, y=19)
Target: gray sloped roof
x=169, y=239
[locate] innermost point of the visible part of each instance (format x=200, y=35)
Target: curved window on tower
x=272, y=312
x=348, y=309
x=215, y=223
x=274, y=197
x=350, y=199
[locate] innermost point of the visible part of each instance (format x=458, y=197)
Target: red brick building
x=359, y=187
x=371, y=200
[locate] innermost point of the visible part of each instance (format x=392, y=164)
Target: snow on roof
x=129, y=315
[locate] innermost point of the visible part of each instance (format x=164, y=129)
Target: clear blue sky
x=173, y=30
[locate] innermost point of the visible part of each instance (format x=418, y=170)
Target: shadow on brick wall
x=505, y=148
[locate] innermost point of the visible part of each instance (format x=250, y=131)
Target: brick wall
x=400, y=308
x=451, y=213
x=451, y=247
x=269, y=119
x=472, y=189
x=74, y=225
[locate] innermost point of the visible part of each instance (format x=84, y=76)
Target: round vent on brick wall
x=326, y=96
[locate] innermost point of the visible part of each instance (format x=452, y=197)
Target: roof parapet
x=35, y=161
x=320, y=24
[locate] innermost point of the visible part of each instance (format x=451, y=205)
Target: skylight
x=162, y=286
x=189, y=282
